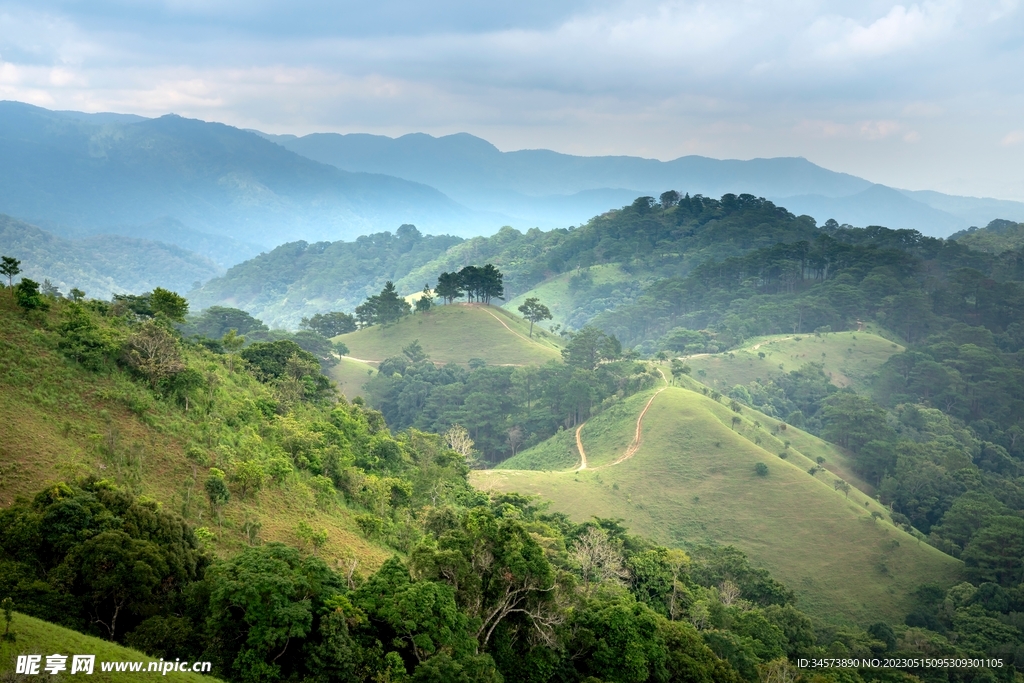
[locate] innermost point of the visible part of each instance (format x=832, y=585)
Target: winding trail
x=579, y=445
x=637, y=440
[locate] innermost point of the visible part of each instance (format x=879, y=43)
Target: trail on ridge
x=633, y=447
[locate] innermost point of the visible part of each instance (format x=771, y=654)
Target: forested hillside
x=102, y=265
x=996, y=237
x=299, y=279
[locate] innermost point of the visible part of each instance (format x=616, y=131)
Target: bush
x=761, y=469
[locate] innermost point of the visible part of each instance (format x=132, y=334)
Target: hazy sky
x=925, y=95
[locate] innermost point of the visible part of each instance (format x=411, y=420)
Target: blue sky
x=922, y=95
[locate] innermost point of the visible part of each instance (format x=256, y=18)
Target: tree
x=27, y=294
x=262, y=601
x=167, y=304
x=330, y=324
x=851, y=420
x=384, y=308
x=10, y=267
x=216, y=490
x=120, y=574
x=250, y=476
x=841, y=485
x=589, y=347
x=534, y=311
x=315, y=539
x=153, y=352
x=449, y=287
x=679, y=369
x=76, y=294
x=598, y=558
x=414, y=352
x=515, y=438
x=761, y=470
x=996, y=552
x=457, y=438
x=425, y=301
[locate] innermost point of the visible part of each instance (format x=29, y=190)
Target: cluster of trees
x=384, y=308
x=473, y=282
x=505, y=408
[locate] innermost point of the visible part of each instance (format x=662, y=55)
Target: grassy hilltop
x=693, y=480
x=849, y=359
x=455, y=334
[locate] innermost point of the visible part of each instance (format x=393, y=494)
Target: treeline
x=506, y=409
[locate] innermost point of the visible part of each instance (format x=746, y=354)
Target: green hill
x=575, y=297
x=37, y=637
x=456, y=334
x=692, y=479
x=850, y=359
x=995, y=238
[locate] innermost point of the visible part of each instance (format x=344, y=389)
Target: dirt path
x=633, y=447
x=507, y=327
x=579, y=445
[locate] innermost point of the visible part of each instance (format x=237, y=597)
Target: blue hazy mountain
x=110, y=173
x=550, y=189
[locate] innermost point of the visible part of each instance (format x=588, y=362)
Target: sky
x=926, y=95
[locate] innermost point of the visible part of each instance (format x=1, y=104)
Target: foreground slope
x=692, y=479
x=38, y=637
x=849, y=359
x=61, y=422
x=456, y=334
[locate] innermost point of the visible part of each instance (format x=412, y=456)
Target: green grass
x=455, y=334
x=37, y=637
x=56, y=415
x=554, y=292
x=351, y=376
x=851, y=359
x=557, y=453
x=693, y=481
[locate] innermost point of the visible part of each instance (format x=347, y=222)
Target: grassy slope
x=693, y=480
x=554, y=292
x=455, y=334
x=351, y=375
x=37, y=637
x=55, y=414
x=851, y=358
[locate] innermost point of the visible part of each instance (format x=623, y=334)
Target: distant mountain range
x=548, y=189
x=74, y=173
x=228, y=194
